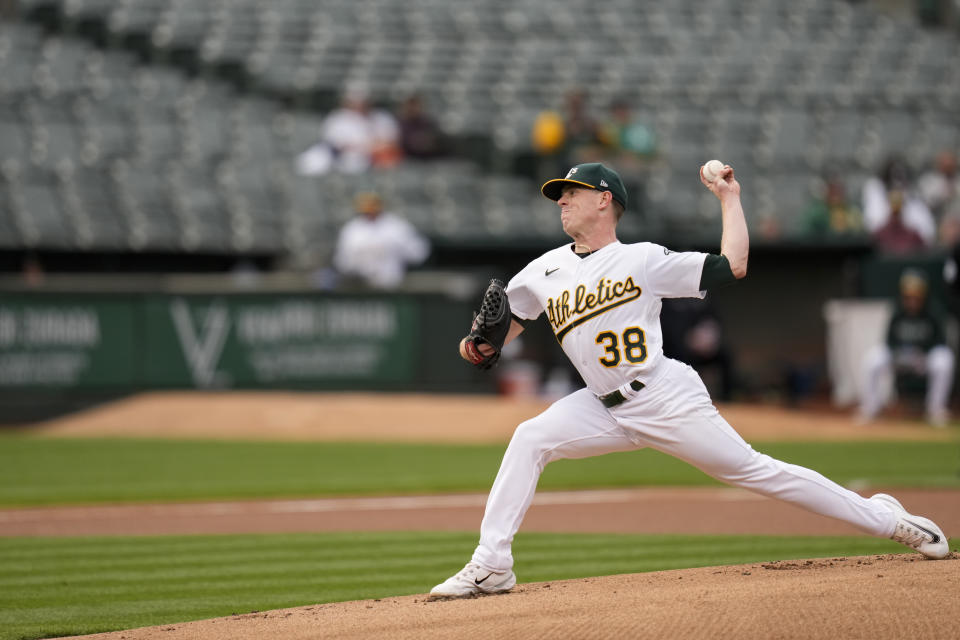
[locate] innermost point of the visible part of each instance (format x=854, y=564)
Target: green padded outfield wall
x=297, y=341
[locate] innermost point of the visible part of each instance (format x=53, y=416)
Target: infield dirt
x=280, y=415
x=894, y=596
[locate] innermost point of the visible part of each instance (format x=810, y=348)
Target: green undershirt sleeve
x=716, y=272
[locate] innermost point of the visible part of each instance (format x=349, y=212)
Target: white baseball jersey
x=605, y=311
x=605, y=308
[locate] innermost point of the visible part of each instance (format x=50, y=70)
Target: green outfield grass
x=68, y=586
x=35, y=471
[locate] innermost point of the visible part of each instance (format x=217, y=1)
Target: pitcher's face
x=579, y=209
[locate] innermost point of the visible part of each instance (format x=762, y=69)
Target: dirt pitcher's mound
x=893, y=596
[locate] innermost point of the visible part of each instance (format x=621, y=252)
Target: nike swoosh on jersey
x=549, y=271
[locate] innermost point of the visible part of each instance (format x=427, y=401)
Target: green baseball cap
x=592, y=175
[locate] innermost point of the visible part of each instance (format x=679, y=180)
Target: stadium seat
x=215, y=100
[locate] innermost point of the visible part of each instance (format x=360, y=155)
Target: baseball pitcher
x=602, y=299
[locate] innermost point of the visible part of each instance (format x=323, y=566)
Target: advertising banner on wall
x=206, y=341
x=66, y=342
x=252, y=341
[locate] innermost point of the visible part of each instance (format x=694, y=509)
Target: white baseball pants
x=673, y=414
x=878, y=366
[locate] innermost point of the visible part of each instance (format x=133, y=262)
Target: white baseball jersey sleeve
x=604, y=309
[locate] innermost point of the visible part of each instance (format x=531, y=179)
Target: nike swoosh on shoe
x=479, y=582
x=933, y=534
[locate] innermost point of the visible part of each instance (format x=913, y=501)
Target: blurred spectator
x=580, y=130
x=948, y=234
x=420, y=137
x=831, y=213
x=353, y=138
x=769, y=226
x=894, y=178
x=375, y=248
x=692, y=333
x=940, y=186
x=916, y=345
x=895, y=237
x=623, y=135
x=568, y=138
x=32, y=270
x=629, y=145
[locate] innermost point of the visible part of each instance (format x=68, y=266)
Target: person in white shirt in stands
x=940, y=189
x=353, y=139
x=894, y=177
x=376, y=247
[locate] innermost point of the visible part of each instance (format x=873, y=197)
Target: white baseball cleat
x=916, y=532
x=474, y=580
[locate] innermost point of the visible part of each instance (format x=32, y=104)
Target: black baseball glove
x=490, y=327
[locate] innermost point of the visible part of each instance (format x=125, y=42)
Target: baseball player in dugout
x=602, y=299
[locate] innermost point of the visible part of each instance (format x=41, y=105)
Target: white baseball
x=711, y=170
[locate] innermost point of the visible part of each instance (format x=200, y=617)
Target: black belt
x=615, y=398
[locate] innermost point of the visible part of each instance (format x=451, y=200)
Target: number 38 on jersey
x=631, y=345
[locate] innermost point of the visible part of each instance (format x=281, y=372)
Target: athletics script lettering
x=572, y=308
